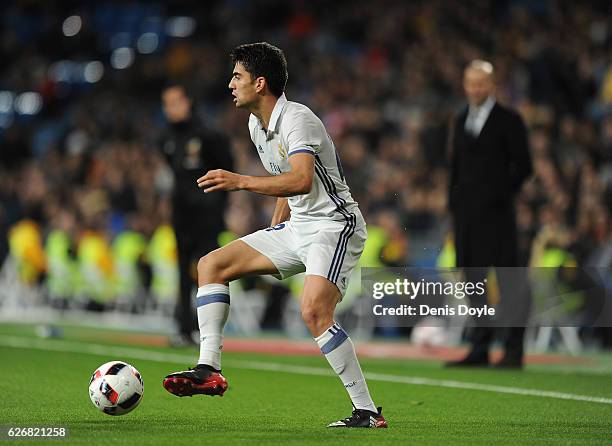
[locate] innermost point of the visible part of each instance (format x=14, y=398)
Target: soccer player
x=324, y=235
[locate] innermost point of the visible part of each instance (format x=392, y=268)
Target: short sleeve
x=305, y=133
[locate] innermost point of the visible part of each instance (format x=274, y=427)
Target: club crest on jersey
x=260, y=149
x=192, y=153
x=282, y=151
x=194, y=145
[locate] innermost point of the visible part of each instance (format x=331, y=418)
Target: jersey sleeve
x=304, y=134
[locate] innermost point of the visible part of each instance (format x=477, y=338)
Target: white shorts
x=326, y=248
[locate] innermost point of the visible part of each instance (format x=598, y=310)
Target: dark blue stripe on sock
x=337, y=339
x=212, y=298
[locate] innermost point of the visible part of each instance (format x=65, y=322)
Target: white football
x=116, y=388
x=429, y=332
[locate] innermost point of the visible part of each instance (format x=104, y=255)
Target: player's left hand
x=220, y=179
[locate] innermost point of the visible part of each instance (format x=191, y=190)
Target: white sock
x=213, y=308
x=340, y=353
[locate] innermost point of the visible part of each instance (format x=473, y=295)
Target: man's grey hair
x=481, y=65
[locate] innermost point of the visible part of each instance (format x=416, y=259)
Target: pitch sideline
x=148, y=355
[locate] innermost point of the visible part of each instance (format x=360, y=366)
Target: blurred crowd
x=80, y=111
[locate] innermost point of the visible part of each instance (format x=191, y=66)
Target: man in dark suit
x=191, y=150
x=489, y=162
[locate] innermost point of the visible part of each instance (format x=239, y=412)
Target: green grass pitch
x=44, y=383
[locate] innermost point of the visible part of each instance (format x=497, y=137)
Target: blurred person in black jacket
x=490, y=160
x=191, y=150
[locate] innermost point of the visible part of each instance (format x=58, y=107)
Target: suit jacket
x=487, y=171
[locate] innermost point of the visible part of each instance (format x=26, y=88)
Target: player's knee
x=210, y=269
x=315, y=319
x=310, y=315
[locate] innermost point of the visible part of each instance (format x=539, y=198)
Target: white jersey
x=294, y=128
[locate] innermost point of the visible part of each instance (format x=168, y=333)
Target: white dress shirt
x=478, y=115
